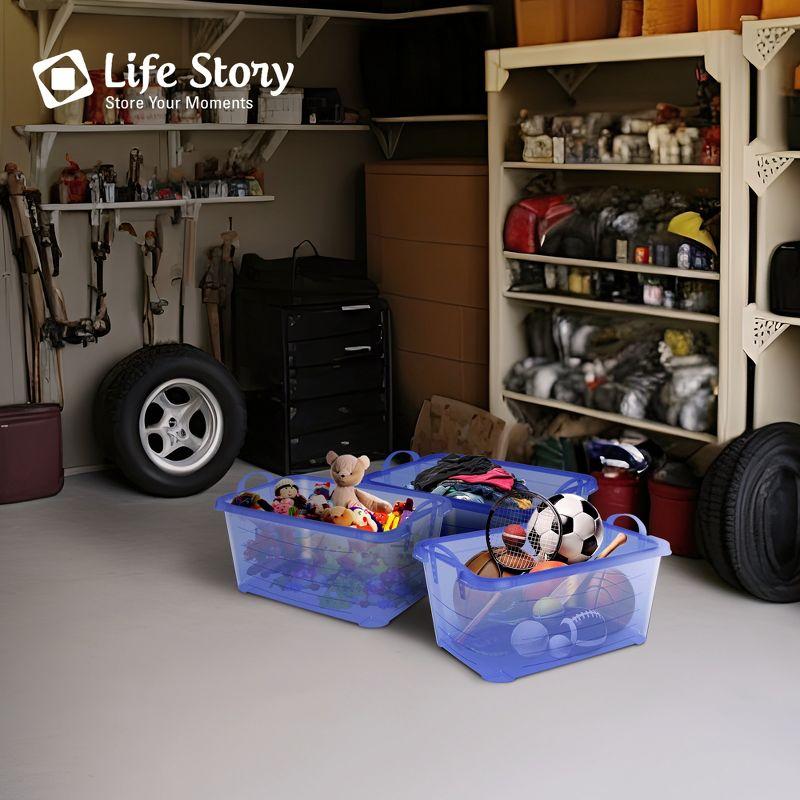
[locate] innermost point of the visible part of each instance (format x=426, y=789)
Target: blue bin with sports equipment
x=356, y=575
x=467, y=514
x=506, y=627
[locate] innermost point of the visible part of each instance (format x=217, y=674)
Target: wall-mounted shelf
x=761, y=328
x=764, y=166
x=763, y=39
x=644, y=269
x=147, y=204
x=388, y=130
x=226, y=16
x=616, y=308
x=596, y=413
x=265, y=138
x=685, y=168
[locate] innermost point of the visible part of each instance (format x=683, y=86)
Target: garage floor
x=132, y=669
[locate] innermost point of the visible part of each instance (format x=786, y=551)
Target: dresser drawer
x=358, y=375
x=334, y=321
x=369, y=437
x=309, y=416
x=333, y=349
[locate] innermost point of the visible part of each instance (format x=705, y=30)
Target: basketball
x=468, y=601
x=607, y=591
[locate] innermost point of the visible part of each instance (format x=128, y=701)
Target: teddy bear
x=347, y=472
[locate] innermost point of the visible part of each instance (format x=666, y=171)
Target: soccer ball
x=581, y=528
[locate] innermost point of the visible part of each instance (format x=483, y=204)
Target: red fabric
x=494, y=477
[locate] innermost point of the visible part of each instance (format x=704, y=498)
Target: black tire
x=121, y=398
x=748, y=513
x=712, y=500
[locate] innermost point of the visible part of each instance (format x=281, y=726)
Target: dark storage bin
x=784, y=280
x=306, y=396
x=31, y=463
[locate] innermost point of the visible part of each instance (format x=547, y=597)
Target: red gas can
x=672, y=512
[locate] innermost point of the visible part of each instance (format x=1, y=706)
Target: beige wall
x=316, y=177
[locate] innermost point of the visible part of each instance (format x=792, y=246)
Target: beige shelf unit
x=772, y=341
x=622, y=75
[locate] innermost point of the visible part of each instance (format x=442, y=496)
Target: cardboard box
x=446, y=202
x=454, y=273
x=419, y=376
x=453, y=332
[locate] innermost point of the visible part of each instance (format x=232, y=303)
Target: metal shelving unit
x=590, y=73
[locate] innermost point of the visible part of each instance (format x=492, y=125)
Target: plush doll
x=283, y=505
x=347, y=472
x=363, y=519
x=285, y=489
x=251, y=500
x=316, y=506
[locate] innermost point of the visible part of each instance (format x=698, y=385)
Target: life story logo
x=59, y=75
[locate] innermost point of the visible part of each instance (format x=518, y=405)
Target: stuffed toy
x=363, y=519
x=251, y=500
x=347, y=472
x=339, y=515
x=285, y=489
x=283, y=505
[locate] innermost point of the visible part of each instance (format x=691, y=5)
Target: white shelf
x=431, y=118
x=206, y=127
x=192, y=9
x=643, y=424
x=618, y=308
x=683, y=168
x=645, y=269
x=176, y=203
x=763, y=39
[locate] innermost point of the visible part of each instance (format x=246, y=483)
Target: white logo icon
x=71, y=76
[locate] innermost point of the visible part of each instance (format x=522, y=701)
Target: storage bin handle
x=242, y=485
x=640, y=526
x=387, y=462
x=294, y=257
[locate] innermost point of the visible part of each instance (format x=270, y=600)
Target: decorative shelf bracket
x=211, y=34
x=273, y=143
x=40, y=145
x=50, y=29
x=570, y=78
x=763, y=167
x=307, y=29
x=763, y=40
x=759, y=331
x=388, y=136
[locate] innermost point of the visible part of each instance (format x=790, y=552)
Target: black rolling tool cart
x=314, y=362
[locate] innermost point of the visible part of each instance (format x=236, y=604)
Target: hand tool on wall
x=215, y=283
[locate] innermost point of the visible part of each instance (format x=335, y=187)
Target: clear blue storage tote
x=504, y=628
x=470, y=516
x=359, y=576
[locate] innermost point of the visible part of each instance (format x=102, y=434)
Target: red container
x=30, y=452
x=672, y=513
x=621, y=493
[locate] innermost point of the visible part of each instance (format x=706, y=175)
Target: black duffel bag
x=304, y=280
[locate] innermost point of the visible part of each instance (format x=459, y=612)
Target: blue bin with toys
x=505, y=628
x=469, y=515
x=357, y=575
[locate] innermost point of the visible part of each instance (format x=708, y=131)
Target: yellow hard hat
x=689, y=225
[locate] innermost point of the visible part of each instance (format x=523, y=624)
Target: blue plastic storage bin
x=504, y=628
x=468, y=516
x=363, y=577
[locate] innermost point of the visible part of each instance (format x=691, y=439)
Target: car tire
x=171, y=418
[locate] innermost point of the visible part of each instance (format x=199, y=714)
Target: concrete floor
x=132, y=669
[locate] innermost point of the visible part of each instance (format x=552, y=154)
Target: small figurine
x=363, y=519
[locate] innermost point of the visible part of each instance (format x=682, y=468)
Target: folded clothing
x=449, y=466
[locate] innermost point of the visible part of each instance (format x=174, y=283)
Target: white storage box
x=285, y=109
x=236, y=100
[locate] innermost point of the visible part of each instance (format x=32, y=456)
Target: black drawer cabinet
x=316, y=378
